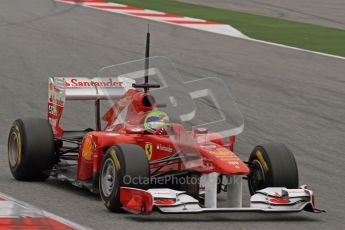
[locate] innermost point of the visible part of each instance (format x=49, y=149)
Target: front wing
x=176, y=202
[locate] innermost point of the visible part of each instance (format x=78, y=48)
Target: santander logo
x=75, y=82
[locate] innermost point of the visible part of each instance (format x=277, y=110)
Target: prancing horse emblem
x=148, y=150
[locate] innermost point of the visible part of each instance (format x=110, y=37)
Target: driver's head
x=156, y=120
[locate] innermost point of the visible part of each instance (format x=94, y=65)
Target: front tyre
x=272, y=165
x=30, y=149
x=123, y=165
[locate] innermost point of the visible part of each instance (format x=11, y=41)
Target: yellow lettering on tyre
x=19, y=144
x=262, y=160
x=116, y=161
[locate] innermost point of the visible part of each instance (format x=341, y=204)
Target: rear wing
x=77, y=88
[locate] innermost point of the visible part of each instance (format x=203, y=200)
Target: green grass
x=296, y=34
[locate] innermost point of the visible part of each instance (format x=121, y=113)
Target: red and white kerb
x=18, y=215
x=179, y=20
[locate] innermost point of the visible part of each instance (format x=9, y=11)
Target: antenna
x=146, y=86
x=147, y=55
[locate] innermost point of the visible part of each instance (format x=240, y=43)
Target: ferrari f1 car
x=162, y=144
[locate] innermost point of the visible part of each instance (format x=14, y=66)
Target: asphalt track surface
x=285, y=95
x=321, y=12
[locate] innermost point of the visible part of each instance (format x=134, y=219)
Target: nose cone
x=225, y=161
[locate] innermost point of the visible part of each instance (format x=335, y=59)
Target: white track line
x=295, y=48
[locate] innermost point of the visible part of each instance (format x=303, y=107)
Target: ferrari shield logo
x=148, y=150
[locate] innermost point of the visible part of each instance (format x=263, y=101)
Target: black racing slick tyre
x=272, y=165
x=31, y=149
x=124, y=165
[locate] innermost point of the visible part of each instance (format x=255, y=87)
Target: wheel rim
x=13, y=150
x=108, y=177
x=257, y=176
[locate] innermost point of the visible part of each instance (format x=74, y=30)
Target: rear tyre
x=272, y=165
x=31, y=149
x=123, y=165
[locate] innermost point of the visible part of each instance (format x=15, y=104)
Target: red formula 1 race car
x=166, y=144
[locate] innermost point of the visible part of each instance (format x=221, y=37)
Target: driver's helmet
x=156, y=120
